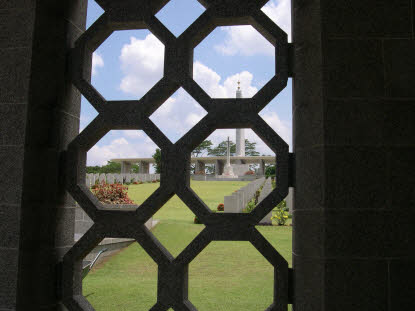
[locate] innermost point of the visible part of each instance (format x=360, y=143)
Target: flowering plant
x=111, y=193
x=221, y=207
x=281, y=216
x=249, y=173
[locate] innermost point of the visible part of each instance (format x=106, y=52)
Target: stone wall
x=354, y=145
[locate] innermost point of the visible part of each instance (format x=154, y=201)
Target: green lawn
x=225, y=276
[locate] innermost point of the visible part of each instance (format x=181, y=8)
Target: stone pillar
x=240, y=142
x=144, y=167
x=354, y=116
x=39, y=112
x=125, y=167
x=15, y=63
x=200, y=168
x=289, y=200
x=218, y=167
x=240, y=133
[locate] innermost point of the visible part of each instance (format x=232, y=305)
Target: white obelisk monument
x=240, y=133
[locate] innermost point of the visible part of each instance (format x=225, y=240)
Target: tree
x=199, y=151
x=109, y=168
x=203, y=148
x=135, y=168
x=221, y=149
x=270, y=171
x=250, y=148
x=157, y=158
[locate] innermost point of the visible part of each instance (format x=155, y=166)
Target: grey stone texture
x=15, y=64
x=353, y=141
x=39, y=115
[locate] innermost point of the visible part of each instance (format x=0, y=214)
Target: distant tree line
x=206, y=148
x=110, y=168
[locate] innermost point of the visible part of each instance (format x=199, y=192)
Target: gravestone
x=110, y=178
x=264, y=193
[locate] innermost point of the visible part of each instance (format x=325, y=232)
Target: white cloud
x=120, y=148
x=209, y=80
x=142, y=64
x=245, y=40
x=282, y=128
x=97, y=62
x=177, y=115
x=167, y=107
x=134, y=134
x=193, y=118
x=280, y=12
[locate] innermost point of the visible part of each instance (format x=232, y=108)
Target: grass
x=225, y=276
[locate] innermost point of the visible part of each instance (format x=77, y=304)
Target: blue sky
x=129, y=63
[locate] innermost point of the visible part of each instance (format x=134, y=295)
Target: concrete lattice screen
x=172, y=289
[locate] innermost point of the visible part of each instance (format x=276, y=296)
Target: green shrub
x=280, y=215
x=250, y=206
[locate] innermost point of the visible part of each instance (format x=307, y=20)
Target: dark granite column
x=51, y=121
x=16, y=25
x=354, y=124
